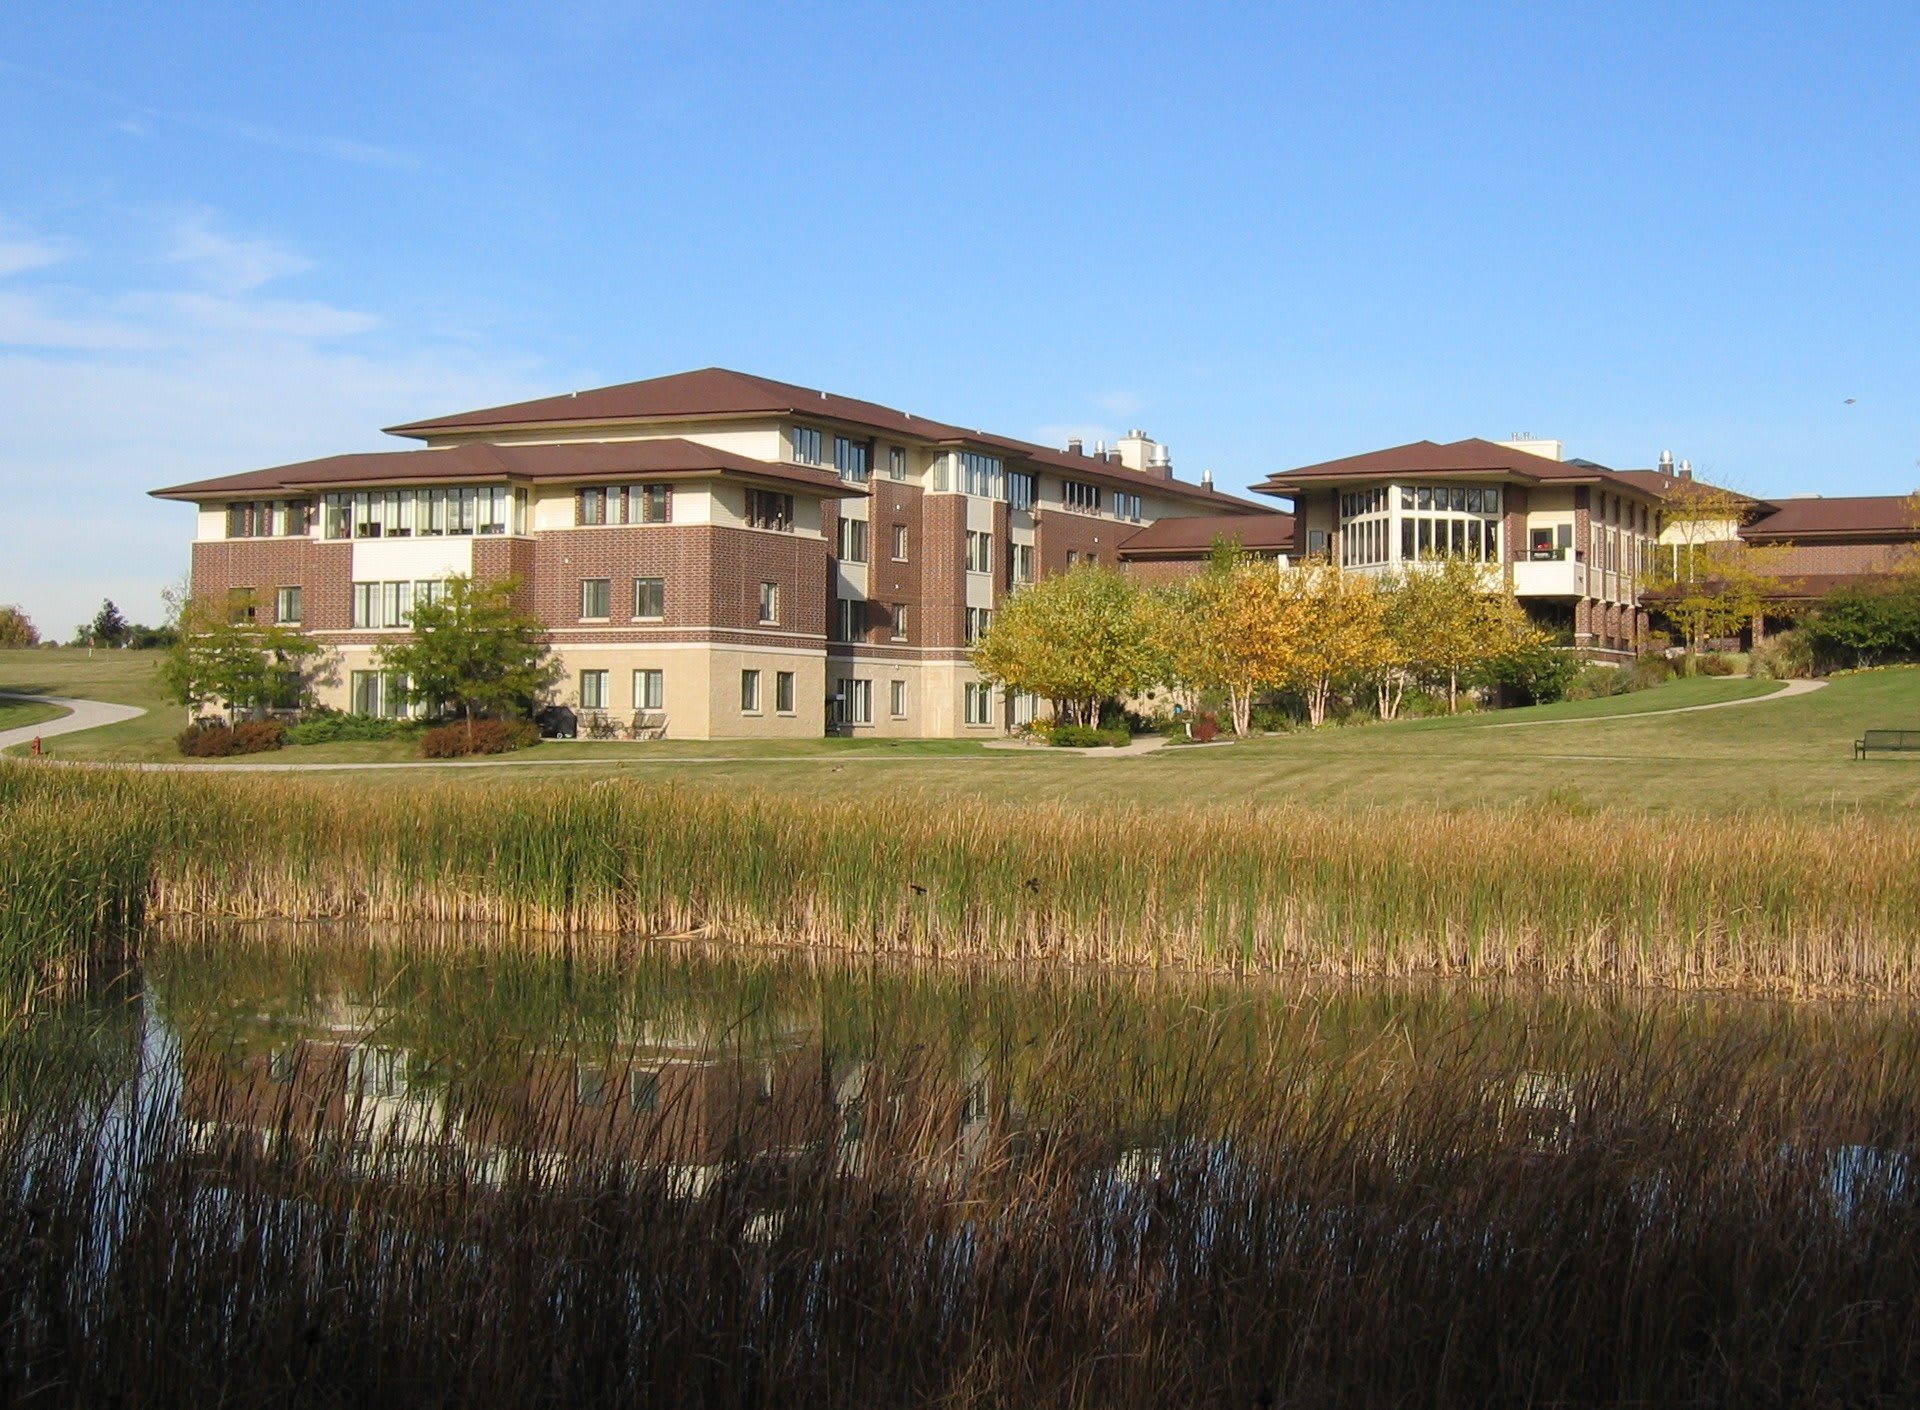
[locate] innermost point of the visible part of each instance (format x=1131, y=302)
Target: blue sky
x=233, y=236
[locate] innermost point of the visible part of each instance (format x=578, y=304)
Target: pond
x=381, y=1162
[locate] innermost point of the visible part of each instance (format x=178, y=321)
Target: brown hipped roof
x=669, y=457
x=720, y=391
x=1842, y=517
x=1194, y=536
x=1666, y=486
x=1469, y=457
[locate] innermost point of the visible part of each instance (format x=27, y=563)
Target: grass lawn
x=1795, y=753
x=14, y=714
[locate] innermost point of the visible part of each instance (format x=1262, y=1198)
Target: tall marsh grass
x=1770, y=899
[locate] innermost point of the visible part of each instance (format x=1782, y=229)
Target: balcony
x=1550, y=576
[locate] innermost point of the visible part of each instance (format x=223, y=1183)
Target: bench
x=648, y=724
x=1890, y=740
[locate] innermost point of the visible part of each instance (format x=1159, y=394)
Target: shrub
x=1785, y=657
x=1064, y=736
x=333, y=728
x=1593, y=681
x=1649, y=669
x=1535, y=674
x=1716, y=663
x=1205, y=726
x=1271, y=719
x=482, y=737
x=220, y=741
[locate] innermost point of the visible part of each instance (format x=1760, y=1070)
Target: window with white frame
x=806, y=445
x=980, y=474
x=593, y=690
x=855, y=703
x=425, y=513
x=769, y=602
x=850, y=459
x=899, y=543
x=897, y=699
x=897, y=615
x=1078, y=494
x=1023, y=489
x=849, y=619
x=429, y=591
x=979, y=552
x=783, y=692
x=634, y=504
x=1458, y=521
x=853, y=541
x=596, y=599
x=649, y=689
x=286, y=606
x=896, y=463
x=979, y=622
x=979, y=704
x=1025, y=706
x=378, y=605
x=649, y=599
x=749, y=692
x=378, y=693
x=1127, y=506
x=1020, y=564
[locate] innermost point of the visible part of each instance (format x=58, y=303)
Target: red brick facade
x=1058, y=532
x=322, y=571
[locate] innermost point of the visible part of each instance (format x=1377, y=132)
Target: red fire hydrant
x=36, y=746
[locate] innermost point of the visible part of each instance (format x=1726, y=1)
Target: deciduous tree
x=1337, y=623
x=1076, y=638
x=218, y=658
x=474, y=650
x=1231, y=628
x=16, y=629
x=1714, y=589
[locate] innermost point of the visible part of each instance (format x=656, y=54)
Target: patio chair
x=648, y=724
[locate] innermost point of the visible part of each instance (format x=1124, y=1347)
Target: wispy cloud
x=20, y=252
x=143, y=120
x=231, y=263
x=1120, y=404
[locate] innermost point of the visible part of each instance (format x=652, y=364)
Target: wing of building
x=740, y=556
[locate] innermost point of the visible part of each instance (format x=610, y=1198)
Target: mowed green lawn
x=1612, y=753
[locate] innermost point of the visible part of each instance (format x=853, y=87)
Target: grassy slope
x=1792, y=752
x=17, y=713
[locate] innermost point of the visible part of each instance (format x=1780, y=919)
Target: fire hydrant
x=36, y=746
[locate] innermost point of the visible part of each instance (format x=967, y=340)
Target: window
x=593, y=690
x=899, y=543
x=1020, y=564
x=396, y=602
x=649, y=690
x=1022, y=489
x=428, y=591
x=1078, y=494
x=428, y=513
x=596, y=599
x=240, y=605
x=896, y=463
x=1127, y=506
x=769, y=602
x=979, y=704
x=648, y=504
x=768, y=510
x=942, y=472
x=855, y=703
x=849, y=619
x=750, y=691
x=979, y=622
x=378, y=694
x=650, y=598
x=980, y=474
x=806, y=445
x=979, y=552
x=591, y=507
x=783, y=692
x=897, y=699
x=643, y=1091
x=1435, y=520
x=853, y=541
x=286, y=606
x=269, y=518
x=366, y=604
x=1073, y=557
x=850, y=459
x=898, y=613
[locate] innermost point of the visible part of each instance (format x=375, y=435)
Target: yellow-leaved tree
x=1231, y=628
x=1076, y=639
x=1446, y=619
x=1338, y=630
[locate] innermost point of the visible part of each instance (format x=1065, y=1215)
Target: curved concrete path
x=1787, y=691
x=81, y=714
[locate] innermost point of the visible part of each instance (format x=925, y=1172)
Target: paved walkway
x=81, y=714
x=1786, y=692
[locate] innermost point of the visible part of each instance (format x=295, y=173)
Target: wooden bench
x=1890, y=740
x=648, y=724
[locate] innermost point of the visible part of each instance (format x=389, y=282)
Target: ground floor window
x=856, y=701
x=749, y=692
x=649, y=690
x=378, y=693
x=897, y=699
x=593, y=690
x=979, y=704
x=1025, y=704
x=783, y=692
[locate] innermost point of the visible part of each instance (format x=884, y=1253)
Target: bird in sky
x=1850, y=401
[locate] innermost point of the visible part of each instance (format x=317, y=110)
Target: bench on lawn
x=1891, y=740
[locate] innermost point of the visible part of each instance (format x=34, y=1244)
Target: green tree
x=473, y=650
x=1445, y=620
x=108, y=628
x=1077, y=639
x=1713, y=589
x=220, y=658
x=1866, y=623
x=16, y=629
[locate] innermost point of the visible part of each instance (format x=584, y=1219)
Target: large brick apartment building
x=742, y=556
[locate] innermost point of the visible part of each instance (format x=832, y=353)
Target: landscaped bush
x=332, y=728
x=1651, y=668
x=219, y=741
x=1064, y=736
x=1535, y=674
x=481, y=737
x=1270, y=719
x=1716, y=663
x=1593, y=681
x=1786, y=657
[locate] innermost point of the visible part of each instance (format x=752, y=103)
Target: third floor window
x=767, y=509
x=806, y=445
x=979, y=552
x=853, y=541
x=850, y=459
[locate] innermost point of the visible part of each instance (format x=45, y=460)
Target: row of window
x=750, y=692
x=243, y=606
x=391, y=604
x=649, y=690
x=624, y=504
x=269, y=518
x=852, y=458
x=769, y=509
x=395, y=514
